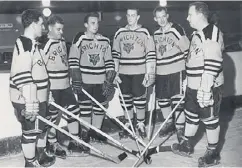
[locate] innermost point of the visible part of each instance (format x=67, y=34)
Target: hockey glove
x=204, y=99
x=149, y=79
x=31, y=111
x=29, y=92
x=108, y=86
x=76, y=80
x=108, y=89
x=204, y=93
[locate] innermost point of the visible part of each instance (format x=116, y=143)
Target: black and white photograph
x=123, y=83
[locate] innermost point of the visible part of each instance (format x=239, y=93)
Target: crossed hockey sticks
x=117, y=159
x=126, y=110
x=114, y=118
x=83, y=122
x=156, y=134
x=146, y=159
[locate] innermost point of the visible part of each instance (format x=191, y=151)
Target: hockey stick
x=153, y=104
x=117, y=159
x=156, y=134
x=83, y=122
x=127, y=113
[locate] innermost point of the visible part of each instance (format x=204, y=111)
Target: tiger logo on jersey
x=162, y=49
x=64, y=59
x=195, y=51
x=94, y=58
x=128, y=47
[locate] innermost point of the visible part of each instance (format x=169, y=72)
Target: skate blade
x=76, y=154
x=61, y=157
x=217, y=162
x=180, y=153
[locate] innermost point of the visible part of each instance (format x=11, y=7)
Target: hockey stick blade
x=120, y=157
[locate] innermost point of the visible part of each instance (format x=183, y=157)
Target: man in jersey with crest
x=204, y=85
x=53, y=49
x=29, y=91
x=92, y=68
x=134, y=56
x=172, y=46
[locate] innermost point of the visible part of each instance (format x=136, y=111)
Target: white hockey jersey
x=171, y=49
x=27, y=67
x=133, y=49
x=55, y=56
x=92, y=56
x=205, y=56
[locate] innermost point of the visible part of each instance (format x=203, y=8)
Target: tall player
x=204, y=84
x=135, y=59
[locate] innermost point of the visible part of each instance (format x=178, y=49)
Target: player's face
x=56, y=30
x=161, y=17
x=132, y=17
x=193, y=17
x=39, y=27
x=92, y=25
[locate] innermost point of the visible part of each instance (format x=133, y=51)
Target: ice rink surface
x=231, y=135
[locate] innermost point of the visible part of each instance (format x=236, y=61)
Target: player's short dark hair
x=159, y=9
x=29, y=16
x=201, y=7
x=133, y=8
x=91, y=14
x=53, y=19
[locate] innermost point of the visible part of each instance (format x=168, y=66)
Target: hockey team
x=186, y=74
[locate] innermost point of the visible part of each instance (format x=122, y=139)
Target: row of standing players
x=136, y=61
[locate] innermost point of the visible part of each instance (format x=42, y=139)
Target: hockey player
x=204, y=84
x=172, y=46
x=29, y=85
x=92, y=68
x=54, y=51
x=135, y=59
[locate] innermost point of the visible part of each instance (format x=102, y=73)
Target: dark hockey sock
x=86, y=111
x=180, y=118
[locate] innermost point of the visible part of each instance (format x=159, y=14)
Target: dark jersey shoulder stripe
x=26, y=43
x=78, y=35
